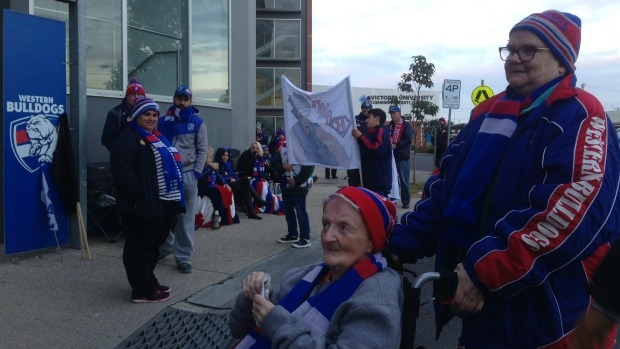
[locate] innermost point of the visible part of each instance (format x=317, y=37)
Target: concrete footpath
x=49, y=302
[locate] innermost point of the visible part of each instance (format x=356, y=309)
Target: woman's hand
x=261, y=308
x=253, y=284
x=287, y=167
x=467, y=299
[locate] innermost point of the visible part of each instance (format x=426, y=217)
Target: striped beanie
x=378, y=213
x=141, y=105
x=135, y=87
x=561, y=31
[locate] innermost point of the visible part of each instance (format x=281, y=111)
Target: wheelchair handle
x=444, y=284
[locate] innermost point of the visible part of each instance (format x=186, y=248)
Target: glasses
x=525, y=53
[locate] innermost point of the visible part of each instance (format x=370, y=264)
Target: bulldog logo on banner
x=33, y=140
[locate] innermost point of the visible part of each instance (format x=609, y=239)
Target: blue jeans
x=294, y=207
x=402, y=166
x=181, y=243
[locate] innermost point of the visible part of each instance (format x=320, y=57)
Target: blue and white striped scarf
x=319, y=309
x=171, y=159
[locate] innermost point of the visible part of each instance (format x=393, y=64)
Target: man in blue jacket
x=401, y=137
x=184, y=128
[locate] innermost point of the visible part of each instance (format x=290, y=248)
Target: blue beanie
x=141, y=105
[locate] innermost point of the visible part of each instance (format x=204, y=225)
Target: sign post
x=481, y=93
x=451, y=97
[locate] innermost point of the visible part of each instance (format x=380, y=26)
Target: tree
x=420, y=75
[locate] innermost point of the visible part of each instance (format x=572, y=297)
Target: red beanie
x=135, y=87
x=378, y=213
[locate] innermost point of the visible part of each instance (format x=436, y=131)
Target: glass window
x=269, y=85
x=279, y=4
x=210, y=42
x=279, y=39
x=269, y=125
x=154, y=52
x=104, y=58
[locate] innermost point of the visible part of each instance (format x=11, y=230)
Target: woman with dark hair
x=147, y=171
x=219, y=184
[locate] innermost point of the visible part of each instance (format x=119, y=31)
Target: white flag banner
x=318, y=126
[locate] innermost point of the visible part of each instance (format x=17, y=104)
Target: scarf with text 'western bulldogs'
x=170, y=157
x=319, y=309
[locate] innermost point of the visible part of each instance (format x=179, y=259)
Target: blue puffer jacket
x=543, y=224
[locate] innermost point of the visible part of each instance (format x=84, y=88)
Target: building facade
x=231, y=53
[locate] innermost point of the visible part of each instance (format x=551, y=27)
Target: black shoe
x=260, y=203
x=302, y=243
x=315, y=179
x=405, y=205
x=253, y=215
x=161, y=257
x=288, y=239
x=185, y=268
x=335, y=177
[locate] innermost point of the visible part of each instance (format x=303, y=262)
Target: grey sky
x=373, y=42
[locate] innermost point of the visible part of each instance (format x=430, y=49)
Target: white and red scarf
x=397, y=132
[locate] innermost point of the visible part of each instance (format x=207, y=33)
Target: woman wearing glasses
x=525, y=204
x=147, y=170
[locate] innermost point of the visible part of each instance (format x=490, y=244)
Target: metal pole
x=77, y=104
x=449, y=118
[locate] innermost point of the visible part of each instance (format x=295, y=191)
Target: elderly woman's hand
x=253, y=284
x=467, y=299
x=261, y=308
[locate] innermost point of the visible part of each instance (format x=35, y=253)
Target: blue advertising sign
x=34, y=97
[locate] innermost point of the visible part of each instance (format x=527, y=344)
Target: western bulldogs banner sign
x=34, y=97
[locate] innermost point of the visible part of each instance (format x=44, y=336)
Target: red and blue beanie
x=135, y=87
x=141, y=105
x=561, y=31
x=378, y=213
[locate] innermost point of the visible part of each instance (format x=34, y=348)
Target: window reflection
x=279, y=4
x=278, y=38
x=154, y=49
x=269, y=85
x=210, y=42
x=103, y=37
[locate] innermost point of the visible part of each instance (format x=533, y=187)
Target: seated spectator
x=277, y=141
x=350, y=298
x=251, y=167
x=219, y=183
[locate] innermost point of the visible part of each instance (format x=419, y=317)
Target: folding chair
x=101, y=201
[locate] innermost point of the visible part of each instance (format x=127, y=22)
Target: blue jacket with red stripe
x=544, y=223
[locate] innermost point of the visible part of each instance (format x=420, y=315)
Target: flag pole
x=82, y=233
